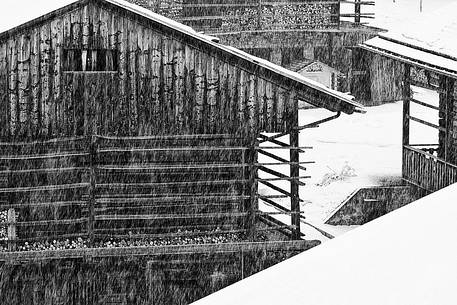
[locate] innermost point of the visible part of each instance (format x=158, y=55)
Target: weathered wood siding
x=163, y=84
x=171, y=279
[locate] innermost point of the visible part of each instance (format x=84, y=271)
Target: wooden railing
x=426, y=170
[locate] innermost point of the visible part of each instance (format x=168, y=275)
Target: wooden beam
x=406, y=104
x=297, y=245
x=294, y=184
x=412, y=118
x=276, y=188
x=424, y=104
x=273, y=156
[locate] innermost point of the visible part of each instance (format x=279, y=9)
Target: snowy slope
x=406, y=257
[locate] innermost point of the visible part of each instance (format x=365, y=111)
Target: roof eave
x=406, y=60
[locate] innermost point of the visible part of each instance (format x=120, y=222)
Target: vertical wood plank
x=56, y=46
x=122, y=112
x=212, y=89
x=179, y=90
x=270, y=109
x=252, y=104
x=4, y=101
x=406, y=110
x=76, y=29
x=13, y=86
x=199, y=93
x=241, y=84
x=24, y=88
x=167, y=79
x=103, y=32
x=142, y=79
x=261, y=100
x=232, y=91
x=156, y=77
x=280, y=107
x=223, y=110
x=132, y=76
x=45, y=77
x=189, y=88
x=35, y=83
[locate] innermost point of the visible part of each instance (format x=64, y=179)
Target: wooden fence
x=97, y=188
x=426, y=170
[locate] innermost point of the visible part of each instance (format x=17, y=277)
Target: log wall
x=218, y=16
x=164, y=83
x=128, y=280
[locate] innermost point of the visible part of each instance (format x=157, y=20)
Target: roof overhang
x=412, y=55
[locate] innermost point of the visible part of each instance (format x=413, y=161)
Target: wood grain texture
x=153, y=82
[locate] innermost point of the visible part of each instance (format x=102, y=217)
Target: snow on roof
x=345, y=98
x=413, y=55
x=405, y=257
x=293, y=75
x=429, y=39
x=435, y=31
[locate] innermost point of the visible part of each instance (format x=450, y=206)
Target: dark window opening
x=90, y=60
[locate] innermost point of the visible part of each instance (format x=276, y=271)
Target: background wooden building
x=428, y=56
x=289, y=33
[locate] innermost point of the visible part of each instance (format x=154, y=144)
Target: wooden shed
x=123, y=131
x=427, y=52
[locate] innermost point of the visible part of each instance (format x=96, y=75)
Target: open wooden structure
x=430, y=166
x=120, y=125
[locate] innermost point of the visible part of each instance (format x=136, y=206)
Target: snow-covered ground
x=365, y=147
x=407, y=257
x=390, y=14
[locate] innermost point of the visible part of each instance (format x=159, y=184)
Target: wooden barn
x=128, y=158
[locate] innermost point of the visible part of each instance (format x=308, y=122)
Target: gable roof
x=405, y=257
x=310, y=91
x=429, y=41
x=317, y=62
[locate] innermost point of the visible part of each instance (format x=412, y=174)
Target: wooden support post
x=252, y=189
x=406, y=112
x=446, y=118
x=357, y=11
x=11, y=235
x=294, y=187
x=92, y=189
x=242, y=264
x=442, y=122
x=259, y=15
